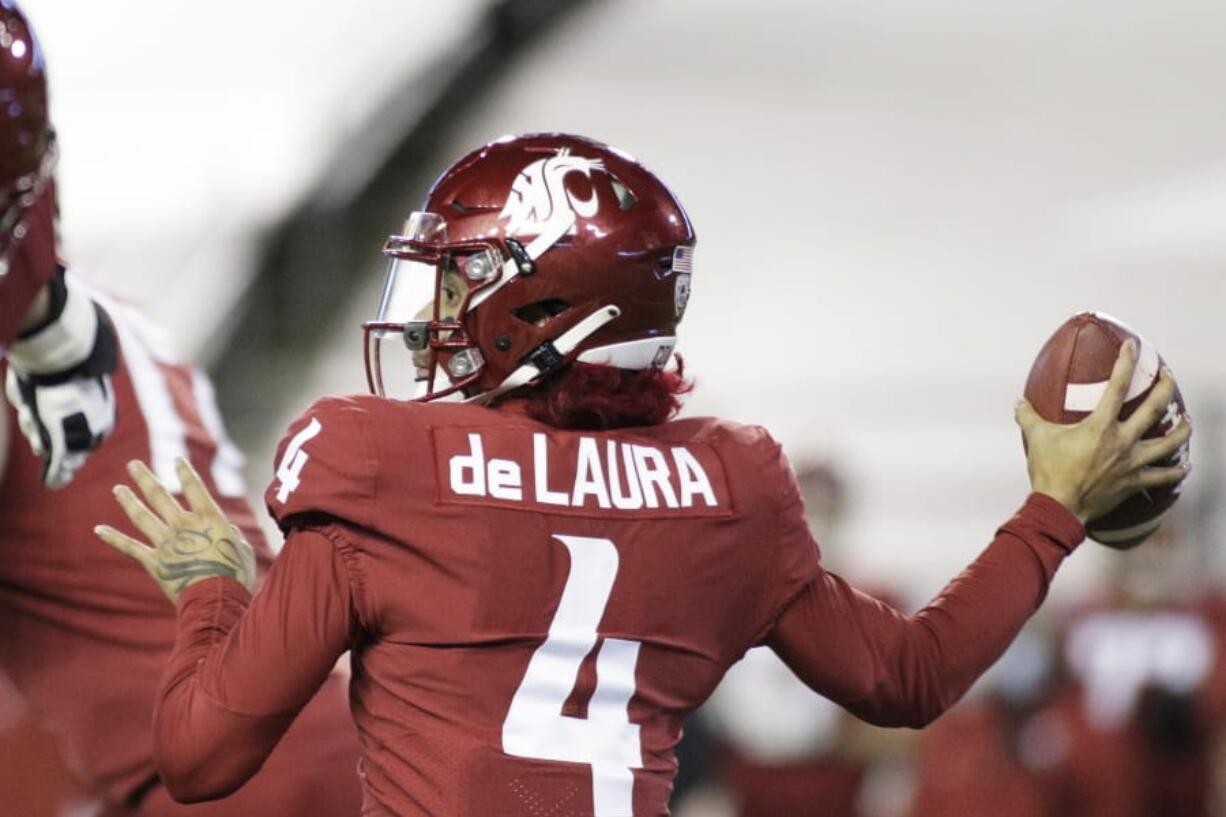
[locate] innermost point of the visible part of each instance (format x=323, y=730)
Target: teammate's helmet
x=570, y=249
x=26, y=140
x=27, y=161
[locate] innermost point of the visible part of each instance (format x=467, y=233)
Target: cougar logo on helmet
x=539, y=203
x=612, y=297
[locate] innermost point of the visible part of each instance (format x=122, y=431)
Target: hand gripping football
x=1065, y=383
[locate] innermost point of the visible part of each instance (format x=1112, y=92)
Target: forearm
x=63, y=330
x=243, y=667
x=895, y=670
x=204, y=748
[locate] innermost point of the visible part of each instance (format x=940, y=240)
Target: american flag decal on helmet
x=683, y=260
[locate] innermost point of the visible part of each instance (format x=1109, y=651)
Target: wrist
x=1059, y=525
x=63, y=337
x=224, y=584
x=75, y=338
x=1071, y=502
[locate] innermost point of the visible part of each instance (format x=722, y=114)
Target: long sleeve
x=895, y=670
x=243, y=667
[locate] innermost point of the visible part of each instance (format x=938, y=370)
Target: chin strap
x=551, y=354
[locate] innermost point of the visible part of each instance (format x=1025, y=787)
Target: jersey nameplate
x=579, y=474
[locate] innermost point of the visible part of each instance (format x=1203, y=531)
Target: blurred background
x=896, y=205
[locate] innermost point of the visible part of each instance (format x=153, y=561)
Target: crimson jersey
x=533, y=612
x=84, y=633
x=598, y=584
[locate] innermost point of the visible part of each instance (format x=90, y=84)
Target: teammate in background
x=993, y=753
x=1143, y=712
x=540, y=583
x=60, y=346
x=83, y=636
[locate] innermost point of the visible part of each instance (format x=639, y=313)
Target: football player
x=537, y=572
x=83, y=635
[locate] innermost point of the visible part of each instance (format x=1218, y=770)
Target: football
x=1066, y=381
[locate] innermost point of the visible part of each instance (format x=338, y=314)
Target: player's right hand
x=64, y=421
x=59, y=380
x=185, y=545
x=1092, y=466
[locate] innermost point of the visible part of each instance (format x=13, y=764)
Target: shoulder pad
x=325, y=466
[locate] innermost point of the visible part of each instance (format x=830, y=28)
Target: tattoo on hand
x=205, y=555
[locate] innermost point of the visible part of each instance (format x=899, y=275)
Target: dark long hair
x=593, y=397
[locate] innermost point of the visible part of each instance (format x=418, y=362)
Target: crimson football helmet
x=27, y=162
x=569, y=249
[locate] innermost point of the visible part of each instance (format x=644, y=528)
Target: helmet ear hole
x=625, y=199
x=541, y=312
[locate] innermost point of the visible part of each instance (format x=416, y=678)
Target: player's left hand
x=185, y=546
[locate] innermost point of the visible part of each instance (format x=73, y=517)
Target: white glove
x=59, y=381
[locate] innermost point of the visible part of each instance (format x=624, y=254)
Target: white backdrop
x=186, y=128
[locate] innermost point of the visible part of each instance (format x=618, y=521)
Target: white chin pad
x=645, y=353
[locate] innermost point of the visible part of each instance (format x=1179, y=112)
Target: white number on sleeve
x=289, y=472
x=606, y=740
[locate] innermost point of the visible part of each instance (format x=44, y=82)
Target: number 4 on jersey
x=289, y=472
x=606, y=740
